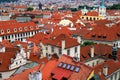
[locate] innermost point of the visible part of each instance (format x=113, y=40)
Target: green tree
x=87, y=43
x=29, y=9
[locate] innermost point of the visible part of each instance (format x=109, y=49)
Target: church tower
x=102, y=9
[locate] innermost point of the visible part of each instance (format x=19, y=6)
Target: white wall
x=94, y=62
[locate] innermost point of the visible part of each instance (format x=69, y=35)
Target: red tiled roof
x=11, y=25
x=99, y=50
x=104, y=33
x=71, y=75
x=6, y=58
x=46, y=69
x=112, y=67
x=58, y=41
x=92, y=13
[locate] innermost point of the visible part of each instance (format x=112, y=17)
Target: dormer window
x=37, y=27
x=25, y=28
x=15, y=30
x=31, y=28
x=8, y=30
x=2, y=31
x=20, y=29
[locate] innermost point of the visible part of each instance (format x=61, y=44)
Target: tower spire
x=102, y=3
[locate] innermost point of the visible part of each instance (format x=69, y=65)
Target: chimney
x=0, y=39
x=105, y=70
x=52, y=30
x=35, y=76
x=92, y=50
x=79, y=39
x=44, y=32
x=100, y=72
x=28, y=55
x=63, y=44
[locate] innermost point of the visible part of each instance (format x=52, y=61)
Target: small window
x=46, y=48
x=31, y=28
x=15, y=30
x=52, y=50
x=20, y=29
x=2, y=31
x=25, y=28
x=68, y=52
x=60, y=52
x=16, y=63
x=8, y=30
x=75, y=49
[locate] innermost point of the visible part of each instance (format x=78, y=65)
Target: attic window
x=104, y=36
x=20, y=29
x=118, y=34
x=37, y=27
x=2, y=31
x=31, y=28
x=99, y=36
x=15, y=30
x=25, y=28
x=93, y=35
x=8, y=30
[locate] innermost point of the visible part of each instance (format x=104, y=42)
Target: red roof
x=112, y=67
x=99, y=50
x=5, y=58
x=59, y=72
x=58, y=41
x=92, y=13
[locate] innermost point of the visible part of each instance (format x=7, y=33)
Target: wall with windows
x=19, y=60
x=73, y=51
x=19, y=36
x=114, y=76
x=94, y=62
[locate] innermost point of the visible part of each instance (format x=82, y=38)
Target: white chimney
x=100, y=72
x=52, y=30
x=0, y=39
x=28, y=55
x=44, y=32
x=105, y=70
x=79, y=39
x=35, y=76
x=63, y=44
x=92, y=51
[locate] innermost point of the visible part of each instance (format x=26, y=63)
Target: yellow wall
x=91, y=75
x=92, y=17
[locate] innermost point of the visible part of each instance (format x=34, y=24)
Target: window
x=8, y=31
x=25, y=28
x=60, y=52
x=15, y=30
x=20, y=29
x=75, y=49
x=52, y=49
x=2, y=31
x=68, y=52
x=46, y=48
x=31, y=28
x=16, y=63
